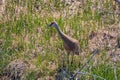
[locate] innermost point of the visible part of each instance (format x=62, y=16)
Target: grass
x=24, y=35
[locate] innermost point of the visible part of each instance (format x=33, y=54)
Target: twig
x=118, y=1
x=107, y=11
x=65, y=73
x=114, y=64
x=115, y=71
x=91, y=75
x=93, y=53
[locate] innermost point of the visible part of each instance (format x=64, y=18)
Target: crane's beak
x=50, y=25
x=47, y=25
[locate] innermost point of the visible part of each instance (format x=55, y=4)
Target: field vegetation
x=30, y=50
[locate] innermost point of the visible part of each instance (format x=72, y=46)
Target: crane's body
x=70, y=44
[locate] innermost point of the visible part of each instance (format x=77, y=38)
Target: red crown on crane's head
x=52, y=23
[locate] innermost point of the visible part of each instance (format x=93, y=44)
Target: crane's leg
x=68, y=62
x=63, y=60
x=68, y=54
x=72, y=58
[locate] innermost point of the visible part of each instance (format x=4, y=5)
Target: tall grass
x=24, y=35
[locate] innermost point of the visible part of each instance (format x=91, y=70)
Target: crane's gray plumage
x=70, y=44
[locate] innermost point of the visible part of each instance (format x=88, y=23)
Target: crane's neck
x=59, y=30
x=62, y=35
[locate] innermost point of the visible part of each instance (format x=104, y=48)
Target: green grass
x=25, y=35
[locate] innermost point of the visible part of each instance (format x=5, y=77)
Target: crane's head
x=53, y=24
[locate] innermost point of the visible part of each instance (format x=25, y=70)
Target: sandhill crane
x=70, y=44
